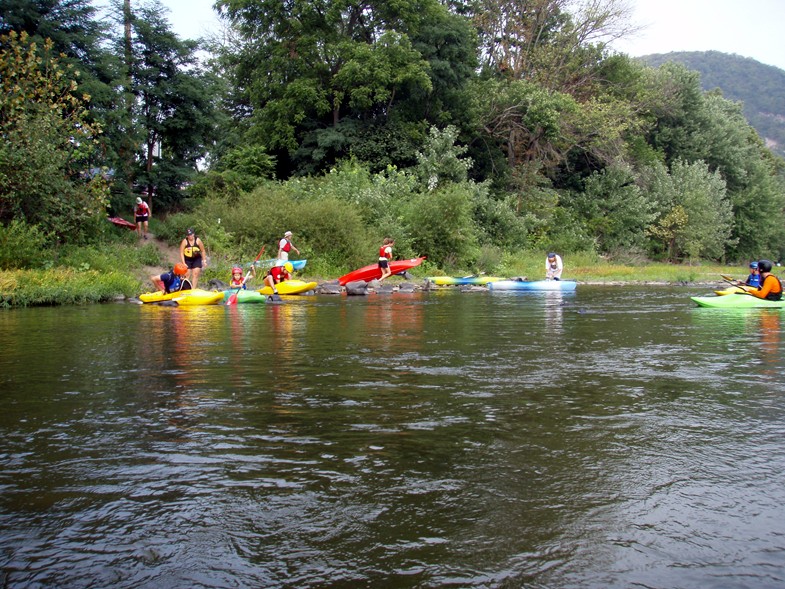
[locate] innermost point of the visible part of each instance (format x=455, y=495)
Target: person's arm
x=182, y=251
x=157, y=282
x=764, y=289
x=206, y=255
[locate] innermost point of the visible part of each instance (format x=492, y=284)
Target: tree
x=47, y=142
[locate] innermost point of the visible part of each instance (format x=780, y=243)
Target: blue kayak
x=297, y=264
x=557, y=285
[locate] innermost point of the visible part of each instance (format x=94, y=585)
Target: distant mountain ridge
x=759, y=86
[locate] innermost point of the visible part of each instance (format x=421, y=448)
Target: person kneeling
x=173, y=280
x=278, y=274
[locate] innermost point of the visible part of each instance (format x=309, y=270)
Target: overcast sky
x=750, y=28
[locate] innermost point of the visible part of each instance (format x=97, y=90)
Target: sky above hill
x=749, y=28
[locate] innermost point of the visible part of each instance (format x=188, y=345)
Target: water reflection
x=612, y=438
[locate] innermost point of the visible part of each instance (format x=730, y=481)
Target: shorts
x=141, y=218
x=192, y=263
x=384, y=264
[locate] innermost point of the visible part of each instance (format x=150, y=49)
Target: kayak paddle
x=233, y=299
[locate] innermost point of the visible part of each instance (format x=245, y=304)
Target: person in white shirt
x=285, y=246
x=553, y=266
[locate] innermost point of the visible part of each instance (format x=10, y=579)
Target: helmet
x=237, y=270
x=288, y=267
x=180, y=269
x=765, y=265
x=754, y=265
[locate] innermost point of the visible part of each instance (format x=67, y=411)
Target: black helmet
x=765, y=265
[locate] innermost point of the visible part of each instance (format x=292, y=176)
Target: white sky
x=749, y=28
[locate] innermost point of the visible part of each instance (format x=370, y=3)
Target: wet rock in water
x=357, y=288
x=274, y=299
x=216, y=284
x=329, y=288
x=407, y=287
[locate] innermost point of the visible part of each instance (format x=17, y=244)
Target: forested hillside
x=468, y=133
x=759, y=86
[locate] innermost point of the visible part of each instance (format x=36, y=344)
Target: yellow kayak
x=193, y=297
x=289, y=287
x=731, y=290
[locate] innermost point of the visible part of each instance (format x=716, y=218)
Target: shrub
x=22, y=245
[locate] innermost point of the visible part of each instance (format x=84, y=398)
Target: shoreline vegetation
x=96, y=278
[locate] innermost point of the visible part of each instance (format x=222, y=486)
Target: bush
x=62, y=286
x=22, y=245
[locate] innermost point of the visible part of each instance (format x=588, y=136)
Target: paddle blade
x=232, y=299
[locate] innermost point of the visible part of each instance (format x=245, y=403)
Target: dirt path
x=170, y=255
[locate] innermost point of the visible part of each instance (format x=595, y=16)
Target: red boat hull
x=120, y=222
x=372, y=272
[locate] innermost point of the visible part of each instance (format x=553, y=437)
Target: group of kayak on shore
x=761, y=282
x=193, y=257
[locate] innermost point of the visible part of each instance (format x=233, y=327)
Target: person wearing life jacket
x=238, y=280
x=770, y=285
x=553, y=266
x=754, y=278
x=173, y=280
x=385, y=256
x=193, y=254
x=285, y=245
x=142, y=216
x=278, y=274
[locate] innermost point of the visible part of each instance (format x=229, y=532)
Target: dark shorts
x=141, y=218
x=192, y=263
x=384, y=264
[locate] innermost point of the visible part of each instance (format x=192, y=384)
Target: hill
x=759, y=86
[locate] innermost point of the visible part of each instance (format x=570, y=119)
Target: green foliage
x=63, y=286
x=22, y=245
x=120, y=256
x=440, y=161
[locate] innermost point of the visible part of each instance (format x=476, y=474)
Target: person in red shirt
x=385, y=255
x=278, y=274
x=142, y=216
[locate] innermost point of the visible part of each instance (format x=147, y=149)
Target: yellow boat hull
x=193, y=297
x=289, y=287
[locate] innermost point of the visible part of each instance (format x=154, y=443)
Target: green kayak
x=737, y=301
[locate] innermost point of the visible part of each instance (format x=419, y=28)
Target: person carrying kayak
x=385, y=256
x=278, y=274
x=553, y=266
x=193, y=254
x=770, y=285
x=285, y=245
x=173, y=280
x=142, y=216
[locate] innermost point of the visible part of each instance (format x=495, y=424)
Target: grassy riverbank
x=110, y=273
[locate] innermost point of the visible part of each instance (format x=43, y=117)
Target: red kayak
x=120, y=222
x=372, y=272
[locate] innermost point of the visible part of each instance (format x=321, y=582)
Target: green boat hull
x=734, y=301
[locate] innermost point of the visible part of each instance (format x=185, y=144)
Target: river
x=614, y=437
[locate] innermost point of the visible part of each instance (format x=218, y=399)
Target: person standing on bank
x=553, y=266
x=142, y=216
x=385, y=256
x=285, y=246
x=193, y=254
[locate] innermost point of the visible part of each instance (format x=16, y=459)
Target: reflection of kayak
x=289, y=287
x=562, y=285
x=245, y=296
x=196, y=296
x=296, y=264
x=450, y=280
x=738, y=302
x=372, y=271
x=120, y=222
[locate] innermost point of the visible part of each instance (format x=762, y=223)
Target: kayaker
x=553, y=266
x=193, y=254
x=754, y=278
x=171, y=281
x=278, y=274
x=238, y=280
x=285, y=245
x=770, y=285
x=142, y=215
x=385, y=256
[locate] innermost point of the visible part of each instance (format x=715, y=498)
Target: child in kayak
x=770, y=285
x=385, y=256
x=173, y=280
x=278, y=274
x=754, y=278
x=238, y=280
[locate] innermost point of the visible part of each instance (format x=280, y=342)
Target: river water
x=612, y=437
